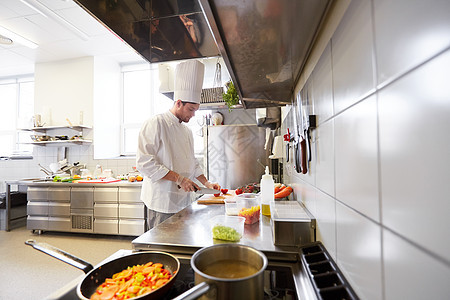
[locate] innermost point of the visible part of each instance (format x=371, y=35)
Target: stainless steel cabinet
x=37, y=208
x=48, y=208
x=131, y=211
x=106, y=212
x=105, y=209
x=82, y=209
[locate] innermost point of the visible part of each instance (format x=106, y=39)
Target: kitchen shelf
x=44, y=130
x=75, y=127
x=59, y=142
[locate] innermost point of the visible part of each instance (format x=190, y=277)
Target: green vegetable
x=231, y=96
x=226, y=233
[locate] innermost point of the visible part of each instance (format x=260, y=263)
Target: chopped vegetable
x=251, y=215
x=226, y=233
x=217, y=195
x=132, y=282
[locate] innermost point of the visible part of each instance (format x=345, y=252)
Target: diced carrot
x=109, y=292
x=148, y=270
x=148, y=264
x=133, y=289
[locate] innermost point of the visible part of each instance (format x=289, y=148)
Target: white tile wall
x=19, y=169
x=356, y=157
x=408, y=32
x=415, y=155
x=352, y=56
x=411, y=273
x=325, y=157
x=323, y=87
x=383, y=145
x=325, y=213
x=359, y=251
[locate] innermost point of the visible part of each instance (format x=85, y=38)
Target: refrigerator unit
x=235, y=154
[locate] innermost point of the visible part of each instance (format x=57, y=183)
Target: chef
x=165, y=153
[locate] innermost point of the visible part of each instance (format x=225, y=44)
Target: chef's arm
x=208, y=184
x=183, y=182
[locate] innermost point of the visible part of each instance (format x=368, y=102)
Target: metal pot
x=211, y=287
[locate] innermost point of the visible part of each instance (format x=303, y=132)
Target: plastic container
x=248, y=206
x=227, y=228
x=267, y=192
x=231, y=207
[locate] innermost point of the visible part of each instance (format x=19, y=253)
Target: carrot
x=283, y=193
x=109, y=292
x=279, y=188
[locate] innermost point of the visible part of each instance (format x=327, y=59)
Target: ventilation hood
x=264, y=43
x=159, y=30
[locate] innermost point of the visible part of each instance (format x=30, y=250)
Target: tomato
x=238, y=191
x=216, y=195
x=224, y=191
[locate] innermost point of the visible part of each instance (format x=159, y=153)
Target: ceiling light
x=47, y=12
x=15, y=38
x=5, y=40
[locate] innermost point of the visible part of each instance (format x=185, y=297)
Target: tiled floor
x=26, y=273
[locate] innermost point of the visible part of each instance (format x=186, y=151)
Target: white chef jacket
x=166, y=144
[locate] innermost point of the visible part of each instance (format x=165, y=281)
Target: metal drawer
x=59, y=208
x=106, y=226
x=59, y=223
x=37, y=222
x=131, y=227
x=130, y=195
x=82, y=198
x=106, y=194
x=37, y=208
x=37, y=193
x=59, y=194
x=106, y=210
x=133, y=211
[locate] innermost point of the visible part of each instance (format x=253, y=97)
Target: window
x=142, y=100
x=17, y=102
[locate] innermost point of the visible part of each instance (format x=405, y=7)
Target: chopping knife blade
x=207, y=191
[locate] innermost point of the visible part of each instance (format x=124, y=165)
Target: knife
x=207, y=191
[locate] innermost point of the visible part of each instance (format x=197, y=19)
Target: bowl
x=227, y=228
x=248, y=206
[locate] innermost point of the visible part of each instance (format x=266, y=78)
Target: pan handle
x=61, y=255
x=194, y=292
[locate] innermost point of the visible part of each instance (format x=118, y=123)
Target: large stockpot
x=211, y=287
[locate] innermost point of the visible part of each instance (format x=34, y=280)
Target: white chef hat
x=189, y=81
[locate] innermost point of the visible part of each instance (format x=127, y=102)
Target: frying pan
x=95, y=276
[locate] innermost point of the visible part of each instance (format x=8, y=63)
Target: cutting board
x=211, y=199
x=106, y=180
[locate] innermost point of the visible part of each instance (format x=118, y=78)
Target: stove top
x=278, y=283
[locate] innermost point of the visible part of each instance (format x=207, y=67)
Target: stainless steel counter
x=40, y=182
x=190, y=230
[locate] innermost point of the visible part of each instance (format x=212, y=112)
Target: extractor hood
x=159, y=30
x=264, y=43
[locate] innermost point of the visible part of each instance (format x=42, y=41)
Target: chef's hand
x=210, y=185
x=186, y=184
